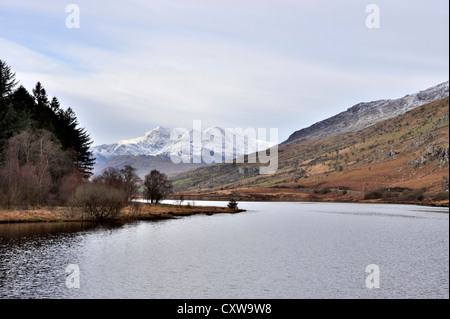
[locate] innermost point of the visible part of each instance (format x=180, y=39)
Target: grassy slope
x=379, y=156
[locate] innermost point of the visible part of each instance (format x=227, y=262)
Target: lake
x=274, y=250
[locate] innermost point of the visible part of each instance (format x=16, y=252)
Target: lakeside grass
x=147, y=211
x=132, y=212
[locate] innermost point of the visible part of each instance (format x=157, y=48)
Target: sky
x=130, y=66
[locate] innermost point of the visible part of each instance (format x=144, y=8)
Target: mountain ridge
x=408, y=154
x=155, y=148
x=365, y=114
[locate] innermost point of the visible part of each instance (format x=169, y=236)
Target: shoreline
x=443, y=205
x=430, y=204
x=132, y=212
x=297, y=197
x=145, y=211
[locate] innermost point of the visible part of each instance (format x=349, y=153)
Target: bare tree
x=69, y=184
x=131, y=181
x=112, y=177
x=157, y=186
x=33, y=168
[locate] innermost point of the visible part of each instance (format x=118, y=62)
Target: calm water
x=274, y=250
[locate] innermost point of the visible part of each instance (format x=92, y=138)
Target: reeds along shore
x=134, y=211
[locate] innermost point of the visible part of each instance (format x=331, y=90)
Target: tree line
x=44, y=152
x=21, y=111
x=105, y=195
x=45, y=157
x=155, y=187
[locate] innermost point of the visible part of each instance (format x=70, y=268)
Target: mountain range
x=153, y=150
x=401, y=143
x=402, y=158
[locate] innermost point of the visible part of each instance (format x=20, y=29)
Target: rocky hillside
x=409, y=152
x=364, y=115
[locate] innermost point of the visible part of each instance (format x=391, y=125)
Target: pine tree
x=232, y=204
x=10, y=120
x=7, y=80
x=20, y=110
x=77, y=140
x=23, y=101
x=42, y=113
x=54, y=105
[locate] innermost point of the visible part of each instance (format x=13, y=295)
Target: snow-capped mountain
x=151, y=144
x=158, y=143
x=363, y=115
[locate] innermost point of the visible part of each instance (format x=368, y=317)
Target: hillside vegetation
x=400, y=158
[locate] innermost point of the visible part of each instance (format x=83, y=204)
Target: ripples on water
x=275, y=250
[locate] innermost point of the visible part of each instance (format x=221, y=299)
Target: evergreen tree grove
x=20, y=111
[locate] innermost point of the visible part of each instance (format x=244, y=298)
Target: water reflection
x=11, y=231
x=34, y=256
x=274, y=250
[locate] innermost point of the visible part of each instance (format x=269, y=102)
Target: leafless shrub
x=98, y=201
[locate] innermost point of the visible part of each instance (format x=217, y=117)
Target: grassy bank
x=135, y=211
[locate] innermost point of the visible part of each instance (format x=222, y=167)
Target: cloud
x=135, y=65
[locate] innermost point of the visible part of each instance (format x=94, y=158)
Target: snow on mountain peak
x=156, y=133
x=158, y=142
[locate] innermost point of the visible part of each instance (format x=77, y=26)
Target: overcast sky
x=134, y=65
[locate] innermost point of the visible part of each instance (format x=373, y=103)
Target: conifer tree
x=20, y=110
x=7, y=80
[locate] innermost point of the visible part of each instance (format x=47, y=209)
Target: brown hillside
x=409, y=151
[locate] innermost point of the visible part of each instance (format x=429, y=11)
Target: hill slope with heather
x=405, y=158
